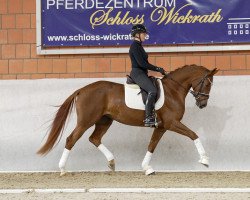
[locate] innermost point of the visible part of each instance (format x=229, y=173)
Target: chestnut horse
x=102, y=102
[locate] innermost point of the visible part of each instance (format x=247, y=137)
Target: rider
x=140, y=67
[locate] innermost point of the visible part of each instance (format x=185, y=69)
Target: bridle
x=198, y=94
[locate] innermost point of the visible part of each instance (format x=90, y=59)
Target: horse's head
x=201, y=88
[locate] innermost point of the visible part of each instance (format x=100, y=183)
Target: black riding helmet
x=138, y=28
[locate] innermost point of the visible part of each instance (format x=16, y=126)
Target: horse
x=103, y=102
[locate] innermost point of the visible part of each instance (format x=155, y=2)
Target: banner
x=108, y=22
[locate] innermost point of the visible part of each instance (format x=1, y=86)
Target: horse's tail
x=58, y=123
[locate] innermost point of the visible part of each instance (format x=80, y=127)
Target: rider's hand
x=161, y=70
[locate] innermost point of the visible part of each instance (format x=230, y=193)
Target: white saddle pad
x=134, y=100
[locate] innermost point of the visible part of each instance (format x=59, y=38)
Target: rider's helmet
x=138, y=28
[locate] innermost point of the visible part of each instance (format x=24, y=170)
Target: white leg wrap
x=199, y=147
x=145, y=164
x=64, y=158
x=146, y=160
x=203, y=157
x=106, y=152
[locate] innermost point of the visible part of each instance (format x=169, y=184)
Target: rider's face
x=143, y=36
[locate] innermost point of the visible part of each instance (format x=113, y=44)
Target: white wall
x=26, y=110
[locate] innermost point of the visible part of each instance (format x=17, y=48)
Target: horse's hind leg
x=70, y=142
x=101, y=128
x=182, y=129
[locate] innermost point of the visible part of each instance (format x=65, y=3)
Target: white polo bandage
x=64, y=158
x=199, y=147
x=106, y=152
x=146, y=160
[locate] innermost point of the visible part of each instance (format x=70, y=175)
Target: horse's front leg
x=157, y=134
x=178, y=127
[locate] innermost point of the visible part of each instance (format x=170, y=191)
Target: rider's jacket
x=139, y=58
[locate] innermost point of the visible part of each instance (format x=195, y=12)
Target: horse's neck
x=184, y=77
x=184, y=80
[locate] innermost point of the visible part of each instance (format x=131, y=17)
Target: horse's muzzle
x=201, y=104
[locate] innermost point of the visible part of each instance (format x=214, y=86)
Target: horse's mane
x=190, y=69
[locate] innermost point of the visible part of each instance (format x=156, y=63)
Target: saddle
x=143, y=93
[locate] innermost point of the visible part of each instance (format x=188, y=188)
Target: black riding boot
x=149, y=110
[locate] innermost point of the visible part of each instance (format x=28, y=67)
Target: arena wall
x=28, y=106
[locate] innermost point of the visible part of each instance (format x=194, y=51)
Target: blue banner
x=108, y=22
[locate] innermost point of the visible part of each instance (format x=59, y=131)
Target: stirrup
x=151, y=122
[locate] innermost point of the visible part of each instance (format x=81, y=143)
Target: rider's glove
x=161, y=70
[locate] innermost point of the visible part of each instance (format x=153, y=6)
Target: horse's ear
x=213, y=72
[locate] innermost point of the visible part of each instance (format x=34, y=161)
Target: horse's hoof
x=205, y=165
x=152, y=173
x=149, y=171
x=111, y=165
x=63, y=172
x=204, y=160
